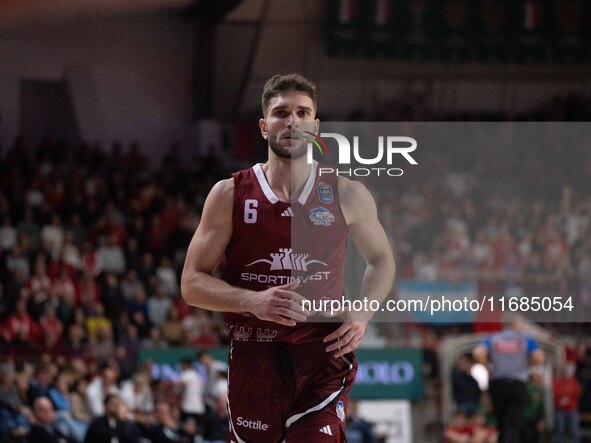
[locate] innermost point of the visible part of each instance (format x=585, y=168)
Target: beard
x=299, y=148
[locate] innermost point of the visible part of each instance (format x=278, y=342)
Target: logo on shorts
x=325, y=193
x=285, y=259
x=322, y=217
x=341, y=410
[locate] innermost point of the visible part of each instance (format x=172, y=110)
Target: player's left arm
x=367, y=233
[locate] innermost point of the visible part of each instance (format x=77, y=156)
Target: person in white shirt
x=192, y=386
x=102, y=385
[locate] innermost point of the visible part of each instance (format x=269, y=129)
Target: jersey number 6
x=250, y=212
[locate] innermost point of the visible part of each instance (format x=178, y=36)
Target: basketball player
x=289, y=376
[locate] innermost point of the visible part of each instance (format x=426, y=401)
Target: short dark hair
x=290, y=82
x=110, y=397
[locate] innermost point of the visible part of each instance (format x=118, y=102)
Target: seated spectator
x=14, y=414
x=168, y=277
x=112, y=426
x=51, y=328
x=458, y=431
x=97, y=322
x=481, y=433
x=104, y=384
x=215, y=423
x=78, y=405
x=137, y=394
x=173, y=329
x=19, y=327
x=357, y=429
x=111, y=256
x=166, y=429
x=59, y=394
x=88, y=293
x=40, y=384
x=159, y=306
x=45, y=430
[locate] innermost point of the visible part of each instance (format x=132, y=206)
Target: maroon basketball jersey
x=275, y=242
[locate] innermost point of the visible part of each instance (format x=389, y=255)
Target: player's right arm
x=206, y=250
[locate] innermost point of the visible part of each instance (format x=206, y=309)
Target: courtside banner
x=484, y=219
x=389, y=373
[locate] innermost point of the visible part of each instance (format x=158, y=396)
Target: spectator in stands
x=78, y=405
x=45, y=430
x=113, y=426
x=137, y=394
x=481, y=433
x=52, y=236
x=51, y=328
x=102, y=385
x=168, y=277
x=166, y=429
x=215, y=423
x=112, y=296
x=216, y=383
x=155, y=340
x=191, y=388
x=173, y=329
x=59, y=394
x=465, y=389
x=131, y=284
x=358, y=430
x=97, y=322
x=159, y=306
x=112, y=257
x=19, y=327
x=14, y=414
x=567, y=391
x=534, y=411
x=88, y=293
x=40, y=384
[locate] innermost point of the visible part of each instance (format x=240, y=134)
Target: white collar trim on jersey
x=309, y=184
x=260, y=175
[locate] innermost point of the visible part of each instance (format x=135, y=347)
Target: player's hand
x=347, y=336
x=280, y=304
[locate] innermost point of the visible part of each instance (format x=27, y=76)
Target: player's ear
x=263, y=128
x=317, y=126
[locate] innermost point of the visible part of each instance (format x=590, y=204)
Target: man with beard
x=281, y=227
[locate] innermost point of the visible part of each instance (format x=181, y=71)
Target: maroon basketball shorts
x=293, y=393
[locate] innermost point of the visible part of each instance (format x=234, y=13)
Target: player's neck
x=286, y=177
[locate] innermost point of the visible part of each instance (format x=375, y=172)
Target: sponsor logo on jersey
x=283, y=260
x=286, y=259
x=341, y=410
x=252, y=424
x=322, y=217
x=325, y=193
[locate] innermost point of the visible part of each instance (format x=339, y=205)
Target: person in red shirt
x=458, y=430
x=567, y=391
x=20, y=326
